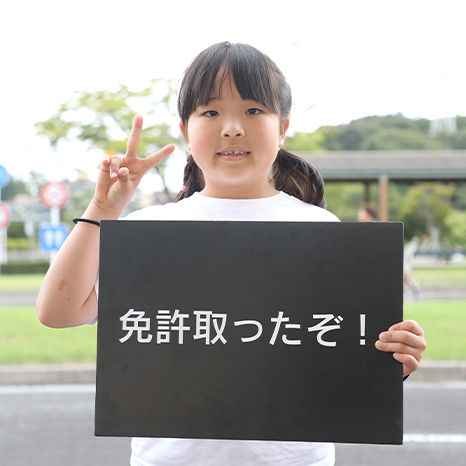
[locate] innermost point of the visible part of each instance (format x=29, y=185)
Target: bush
x=25, y=267
x=18, y=243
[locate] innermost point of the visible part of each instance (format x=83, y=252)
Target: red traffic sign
x=54, y=194
x=4, y=216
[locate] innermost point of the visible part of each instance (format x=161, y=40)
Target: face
x=363, y=215
x=235, y=142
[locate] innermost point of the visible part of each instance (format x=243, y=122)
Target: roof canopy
x=367, y=166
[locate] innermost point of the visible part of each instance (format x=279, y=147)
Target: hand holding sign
x=120, y=176
x=406, y=340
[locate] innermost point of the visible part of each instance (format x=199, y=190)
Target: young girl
x=234, y=105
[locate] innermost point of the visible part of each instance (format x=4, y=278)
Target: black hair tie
x=86, y=220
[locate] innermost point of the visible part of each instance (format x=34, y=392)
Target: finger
x=409, y=325
x=402, y=336
x=157, y=157
x=105, y=164
x=410, y=363
x=114, y=166
x=401, y=348
x=134, y=137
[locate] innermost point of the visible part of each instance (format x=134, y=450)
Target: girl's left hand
x=406, y=340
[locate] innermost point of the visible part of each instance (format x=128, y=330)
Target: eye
x=210, y=113
x=253, y=111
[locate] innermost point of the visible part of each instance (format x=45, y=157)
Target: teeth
x=234, y=152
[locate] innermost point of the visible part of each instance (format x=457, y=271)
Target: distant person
x=367, y=214
x=458, y=256
x=408, y=266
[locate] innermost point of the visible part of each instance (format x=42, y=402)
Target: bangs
x=255, y=76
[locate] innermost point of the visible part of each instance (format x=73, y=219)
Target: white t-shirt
x=201, y=452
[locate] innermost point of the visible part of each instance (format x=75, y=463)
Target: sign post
x=54, y=195
x=52, y=236
x=4, y=218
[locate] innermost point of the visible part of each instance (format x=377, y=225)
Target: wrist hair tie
x=85, y=220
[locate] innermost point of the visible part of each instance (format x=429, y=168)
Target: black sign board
x=249, y=330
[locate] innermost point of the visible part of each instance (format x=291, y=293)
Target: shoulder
x=302, y=211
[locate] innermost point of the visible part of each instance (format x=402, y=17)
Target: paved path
x=53, y=425
x=29, y=298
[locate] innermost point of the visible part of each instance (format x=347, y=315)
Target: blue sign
x=4, y=176
x=51, y=237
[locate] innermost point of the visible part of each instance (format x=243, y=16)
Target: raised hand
x=407, y=343
x=120, y=176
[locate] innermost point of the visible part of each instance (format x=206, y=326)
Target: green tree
x=400, y=139
x=305, y=141
x=390, y=132
x=456, y=222
x=14, y=187
x=458, y=139
x=103, y=119
x=425, y=209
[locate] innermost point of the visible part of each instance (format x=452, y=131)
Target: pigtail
x=193, y=179
x=296, y=177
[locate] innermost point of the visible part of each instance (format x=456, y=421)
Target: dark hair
x=370, y=210
x=258, y=78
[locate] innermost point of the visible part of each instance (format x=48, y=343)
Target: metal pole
x=54, y=221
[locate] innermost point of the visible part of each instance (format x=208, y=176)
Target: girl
x=234, y=105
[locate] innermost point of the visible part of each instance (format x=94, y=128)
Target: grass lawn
x=24, y=340
x=441, y=278
x=20, y=282
x=444, y=324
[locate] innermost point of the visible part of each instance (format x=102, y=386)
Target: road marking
x=45, y=389
x=434, y=438
x=453, y=385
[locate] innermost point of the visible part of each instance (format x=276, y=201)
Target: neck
x=238, y=192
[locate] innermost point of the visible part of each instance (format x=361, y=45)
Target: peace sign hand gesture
x=120, y=176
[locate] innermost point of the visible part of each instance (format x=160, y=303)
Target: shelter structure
x=384, y=166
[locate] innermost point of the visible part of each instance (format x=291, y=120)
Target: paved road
x=427, y=294
x=53, y=426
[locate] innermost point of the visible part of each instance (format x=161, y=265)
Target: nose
x=232, y=129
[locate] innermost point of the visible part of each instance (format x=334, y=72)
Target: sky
x=343, y=59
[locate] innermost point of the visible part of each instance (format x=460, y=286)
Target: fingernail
x=378, y=344
x=383, y=336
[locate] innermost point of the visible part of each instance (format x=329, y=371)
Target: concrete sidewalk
x=431, y=371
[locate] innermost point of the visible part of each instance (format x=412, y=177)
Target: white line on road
x=422, y=385
x=90, y=388
x=434, y=438
x=45, y=389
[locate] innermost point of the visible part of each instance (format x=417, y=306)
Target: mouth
x=233, y=152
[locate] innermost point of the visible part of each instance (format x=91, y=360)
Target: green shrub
x=25, y=267
x=18, y=243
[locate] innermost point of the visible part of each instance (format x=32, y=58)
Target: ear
x=183, y=132
x=283, y=129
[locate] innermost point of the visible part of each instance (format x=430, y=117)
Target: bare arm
x=67, y=296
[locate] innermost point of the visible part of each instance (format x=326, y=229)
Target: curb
x=47, y=374
x=440, y=371
x=429, y=371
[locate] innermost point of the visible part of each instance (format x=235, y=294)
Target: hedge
x=25, y=267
